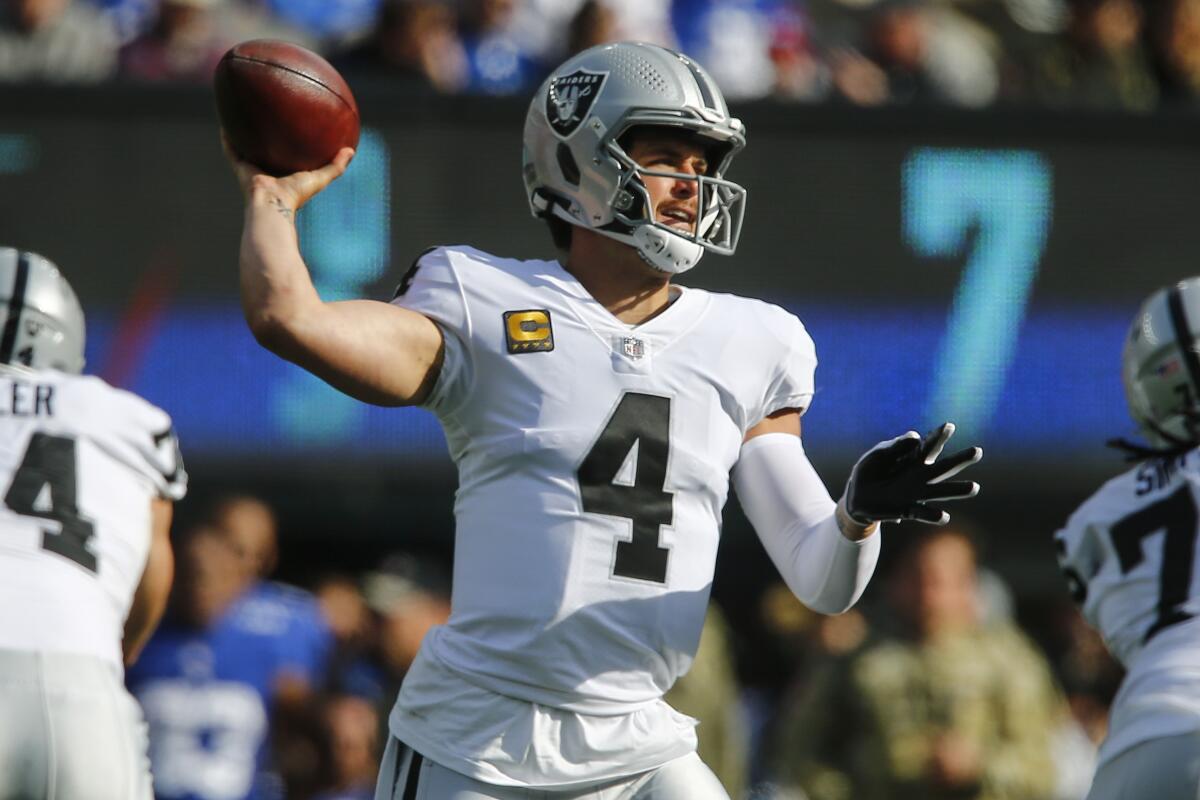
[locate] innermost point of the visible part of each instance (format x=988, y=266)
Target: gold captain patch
x=528, y=331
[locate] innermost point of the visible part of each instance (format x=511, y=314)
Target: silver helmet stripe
x=16, y=302
x=1185, y=338
x=706, y=93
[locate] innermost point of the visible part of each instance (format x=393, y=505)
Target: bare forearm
x=150, y=597
x=372, y=351
x=147, y=611
x=275, y=284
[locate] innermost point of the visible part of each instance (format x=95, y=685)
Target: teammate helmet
x=576, y=170
x=1160, y=365
x=41, y=321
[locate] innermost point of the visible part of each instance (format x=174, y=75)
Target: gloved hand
x=896, y=480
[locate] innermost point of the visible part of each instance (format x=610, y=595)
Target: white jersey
x=79, y=464
x=1129, y=554
x=594, y=462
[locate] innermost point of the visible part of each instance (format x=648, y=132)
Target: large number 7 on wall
x=1004, y=197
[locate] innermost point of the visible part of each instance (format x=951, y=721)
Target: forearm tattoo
x=281, y=207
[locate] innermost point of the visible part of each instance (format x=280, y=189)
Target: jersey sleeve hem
x=791, y=381
x=434, y=289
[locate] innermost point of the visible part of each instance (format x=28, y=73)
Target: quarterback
x=1129, y=556
x=596, y=412
x=88, y=474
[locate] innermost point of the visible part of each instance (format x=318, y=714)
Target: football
x=283, y=108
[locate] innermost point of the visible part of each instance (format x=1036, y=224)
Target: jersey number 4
x=1176, y=514
x=641, y=421
x=44, y=487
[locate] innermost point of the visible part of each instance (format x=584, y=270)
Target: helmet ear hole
x=631, y=204
x=566, y=163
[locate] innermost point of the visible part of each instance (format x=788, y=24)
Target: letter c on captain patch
x=528, y=331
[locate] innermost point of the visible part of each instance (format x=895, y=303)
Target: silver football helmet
x=1160, y=366
x=41, y=321
x=576, y=170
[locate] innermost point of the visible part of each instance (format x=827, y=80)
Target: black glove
x=895, y=480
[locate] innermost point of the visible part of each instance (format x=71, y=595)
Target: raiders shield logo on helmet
x=570, y=97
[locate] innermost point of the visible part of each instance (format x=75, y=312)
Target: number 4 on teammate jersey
x=44, y=487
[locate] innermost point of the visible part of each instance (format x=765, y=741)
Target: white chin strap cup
x=664, y=251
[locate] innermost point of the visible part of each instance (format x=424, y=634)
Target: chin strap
x=662, y=250
x=1136, y=451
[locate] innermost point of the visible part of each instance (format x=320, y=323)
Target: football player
x=596, y=411
x=234, y=665
x=1129, y=555
x=89, y=474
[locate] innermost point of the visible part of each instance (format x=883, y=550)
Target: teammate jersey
x=80, y=462
x=1129, y=554
x=593, y=460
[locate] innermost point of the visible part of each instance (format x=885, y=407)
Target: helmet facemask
x=720, y=208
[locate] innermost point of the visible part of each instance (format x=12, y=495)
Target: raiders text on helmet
x=576, y=170
x=1160, y=366
x=41, y=321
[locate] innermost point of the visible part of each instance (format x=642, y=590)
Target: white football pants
x=69, y=730
x=406, y=775
x=1159, y=769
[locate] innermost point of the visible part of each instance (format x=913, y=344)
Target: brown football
x=284, y=108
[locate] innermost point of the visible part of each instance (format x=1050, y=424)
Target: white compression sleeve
x=796, y=519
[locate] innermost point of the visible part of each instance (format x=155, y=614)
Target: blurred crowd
x=1132, y=55
x=253, y=688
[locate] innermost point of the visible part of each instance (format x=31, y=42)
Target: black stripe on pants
x=412, y=778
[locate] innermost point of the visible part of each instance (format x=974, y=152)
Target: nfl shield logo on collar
x=633, y=347
x=571, y=97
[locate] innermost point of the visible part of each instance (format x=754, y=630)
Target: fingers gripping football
x=294, y=190
x=901, y=478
